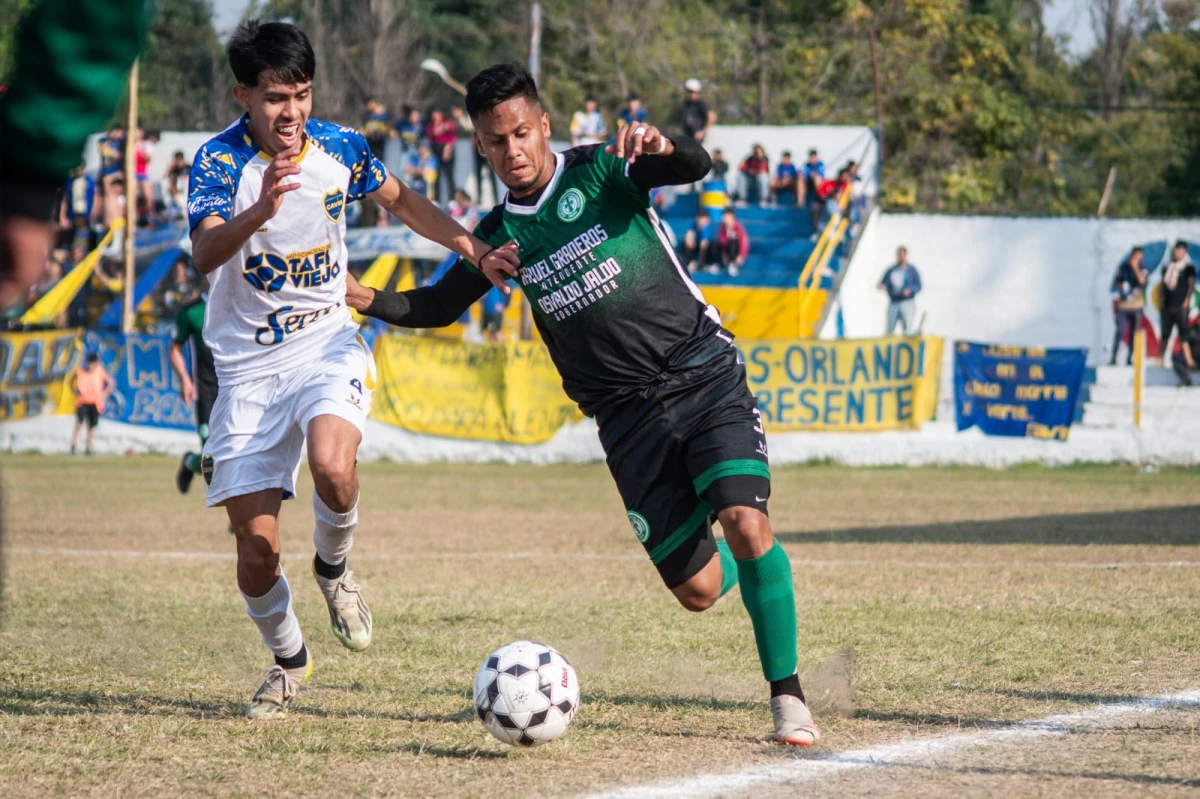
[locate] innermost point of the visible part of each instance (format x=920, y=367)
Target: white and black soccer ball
x=526, y=693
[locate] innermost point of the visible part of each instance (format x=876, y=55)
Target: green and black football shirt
x=609, y=297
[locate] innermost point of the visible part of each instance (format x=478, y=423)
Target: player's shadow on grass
x=1178, y=526
x=31, y=702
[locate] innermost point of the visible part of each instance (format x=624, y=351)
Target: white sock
x=273, y=614
x=333, y=534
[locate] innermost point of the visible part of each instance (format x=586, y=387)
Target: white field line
x=920, y=752
x=598, y=556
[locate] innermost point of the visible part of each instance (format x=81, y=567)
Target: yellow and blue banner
x=849, y=385
x=148, y=392
x=35, y=372
x=1030, y=392
x=490, y=392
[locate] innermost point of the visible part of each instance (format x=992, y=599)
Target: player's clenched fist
x=274, y=185
x=639, y=139
x=499, y=264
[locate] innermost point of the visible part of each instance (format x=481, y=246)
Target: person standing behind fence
x=1129, y=290
x=93, y=386
x=902, y=282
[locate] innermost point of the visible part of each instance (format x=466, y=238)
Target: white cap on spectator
x=692, y=84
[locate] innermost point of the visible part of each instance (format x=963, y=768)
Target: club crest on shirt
x=334, y=202
x=207, y=467
x=570, y=205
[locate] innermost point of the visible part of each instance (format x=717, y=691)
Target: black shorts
x=206, y=397
x=87, y=413
x=682, y=450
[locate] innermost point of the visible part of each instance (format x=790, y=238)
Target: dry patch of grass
x=970, y=599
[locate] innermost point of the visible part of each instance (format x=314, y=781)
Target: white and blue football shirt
x=281, y=301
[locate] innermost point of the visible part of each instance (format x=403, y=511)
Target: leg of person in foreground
x=332, y=452
x=255, y=521
x=751, y=557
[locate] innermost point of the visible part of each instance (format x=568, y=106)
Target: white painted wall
x=1033, y=282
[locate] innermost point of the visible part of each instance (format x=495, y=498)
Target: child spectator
x=697, y=242
x=733, y=245
x=178, y=173
x=422, y=170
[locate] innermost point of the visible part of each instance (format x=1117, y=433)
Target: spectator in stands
x=466, y=130
x=633, y=110
x=144, y=145
x=1179, y=280
x=697, y=242
x=442, y=132
x=733, y=245
x=79, y=210
x=785, y=184
x=112, y=167
x=376, y=126
x=814, y=177
x=93, y=387
x=462, y=208
x=495, y=303
x=831, y=195
x=754, y=180
x=178, y=173
x=1129, y=291
x=1185, y=357
x=720, y=167
x=902, y=282
x=422, y=170
x=411, y=130
x=695, y=115
x=587, y=126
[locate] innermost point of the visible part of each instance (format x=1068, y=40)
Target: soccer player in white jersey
x=266, y=204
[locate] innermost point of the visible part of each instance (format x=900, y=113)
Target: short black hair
x=1135, y=250
x=278, y=49
x=1181, y=243
x=786, y=154
x=812, y=152
x=92, y=357
x=498, y=84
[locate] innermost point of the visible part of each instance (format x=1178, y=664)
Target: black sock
x=788, y=685
x=296, y=661
x=327, y=571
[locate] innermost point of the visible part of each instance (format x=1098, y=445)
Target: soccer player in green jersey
x=639, y=350
x=189, y=325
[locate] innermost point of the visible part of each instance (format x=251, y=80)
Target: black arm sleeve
x=689, y=163
x=431, y=306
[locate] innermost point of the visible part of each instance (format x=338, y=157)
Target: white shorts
x=257, y=428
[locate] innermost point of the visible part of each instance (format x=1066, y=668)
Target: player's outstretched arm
x=655, y=160
x=438, y=305
x=427, y=220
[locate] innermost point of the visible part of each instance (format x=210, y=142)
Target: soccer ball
x=526, y=694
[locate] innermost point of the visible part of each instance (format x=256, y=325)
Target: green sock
x=770, y=598
x=193, y=462
x=729, y=568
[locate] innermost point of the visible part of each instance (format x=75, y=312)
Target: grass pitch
x=970, y=599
